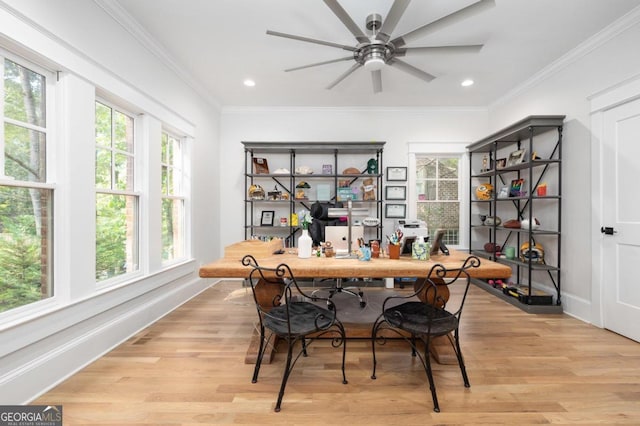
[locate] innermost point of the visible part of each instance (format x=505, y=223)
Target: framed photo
x=501, y=163
x=516, y=157
x=397, y=174
x=267, y=218
x=395, y=211
x=260, y=166
x=517, y=186
x=392, y=192
x=504, y=192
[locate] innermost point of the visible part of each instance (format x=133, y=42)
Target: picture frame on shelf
x=266, y=219
x=516, y=157
x=397, y=174
x=395, y=211
x=504, y=192
x=393, y=192
x=517, y=187
x=260, y=166
x=501, y=163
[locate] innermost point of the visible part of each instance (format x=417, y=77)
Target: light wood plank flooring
x=188, y=369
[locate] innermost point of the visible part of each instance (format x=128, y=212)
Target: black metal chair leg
x=285, y=376
x=343, y=336
x=458, y=352
x=432, y=385
x=256, y=370
x=374, y=335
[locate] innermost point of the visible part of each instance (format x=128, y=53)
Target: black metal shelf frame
x=518, y=136
x=288, y=181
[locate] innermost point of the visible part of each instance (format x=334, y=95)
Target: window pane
x=164, y=180
x=437, y=181
x=425, y=168
x=24, y=94
x=103, y=168
x=440, y=215
x=172, y=229
x=448, y=190
x=123, y=134
x=116, y=235
x=448, y=168
x=25, y=154
x=426, y=190
x=123, y=169
x=25, y=246
x=103, y=125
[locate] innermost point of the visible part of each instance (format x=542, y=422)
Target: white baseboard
x=90, y=339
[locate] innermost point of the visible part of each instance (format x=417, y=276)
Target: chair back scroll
x=276, y=286
x=433, y=290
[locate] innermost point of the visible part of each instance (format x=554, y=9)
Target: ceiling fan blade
x=454, y=17
x=390, y=22
x=463, y=48
x=410, y=69
x=344, y=75
x=376, y=78
x=348, y=58
x=311, y=40
x=347, y=21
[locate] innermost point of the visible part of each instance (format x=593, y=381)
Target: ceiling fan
x=375, y=51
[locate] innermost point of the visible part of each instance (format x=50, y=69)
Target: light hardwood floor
x=188, y=369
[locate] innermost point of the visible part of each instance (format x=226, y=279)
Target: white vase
x=304, y=244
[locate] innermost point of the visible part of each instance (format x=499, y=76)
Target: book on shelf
x=260, y=166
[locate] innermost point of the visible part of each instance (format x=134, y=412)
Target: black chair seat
x=305, y=317
x=421, y=318
x=283, y=309
x=432, y=316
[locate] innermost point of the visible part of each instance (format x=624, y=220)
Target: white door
x=621, y=211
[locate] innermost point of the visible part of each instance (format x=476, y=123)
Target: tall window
x=438, y=204
x=173, y=198
x=25, y=196
x=117, y=202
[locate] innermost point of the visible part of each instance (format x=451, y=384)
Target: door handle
x=608, y=230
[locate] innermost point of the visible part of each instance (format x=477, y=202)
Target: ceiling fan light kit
x=375, y=51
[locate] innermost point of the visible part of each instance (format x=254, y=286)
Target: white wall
x=82, y=321
x=564, y=88
x=397, y=127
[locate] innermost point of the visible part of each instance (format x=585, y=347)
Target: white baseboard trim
x=577, y=307
x=86, y=342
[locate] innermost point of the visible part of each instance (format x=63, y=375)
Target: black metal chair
x=427, y=318
x=285, y=310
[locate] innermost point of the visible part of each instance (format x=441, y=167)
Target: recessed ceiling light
x=467, y=82
x=249, y=83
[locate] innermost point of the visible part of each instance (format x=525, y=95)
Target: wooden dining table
x=230, y=266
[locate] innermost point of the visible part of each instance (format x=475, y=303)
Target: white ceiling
x=219, y=43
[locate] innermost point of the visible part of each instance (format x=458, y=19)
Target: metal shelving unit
x=528, y=272
x=329, y=152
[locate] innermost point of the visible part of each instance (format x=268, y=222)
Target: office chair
x=427, y=318
x=320, y=219
x=283, y=309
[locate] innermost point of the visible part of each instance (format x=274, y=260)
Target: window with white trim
x=117, y=202
x=26, y=195
x=437, y=192
x=173, y=197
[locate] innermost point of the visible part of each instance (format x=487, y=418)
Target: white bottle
x=304, y=244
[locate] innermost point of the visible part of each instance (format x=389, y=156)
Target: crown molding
x=608, y=33
x=133, y=27
x=373, y=109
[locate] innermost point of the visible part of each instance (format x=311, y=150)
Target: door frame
x=619, y=94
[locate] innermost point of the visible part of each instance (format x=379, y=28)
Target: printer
x=411, y=229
